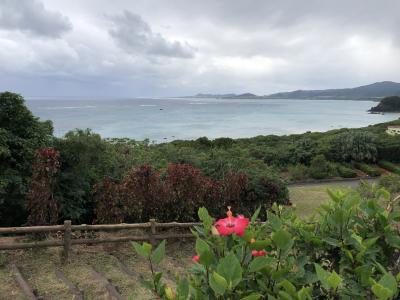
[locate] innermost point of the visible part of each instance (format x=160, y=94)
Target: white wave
x=147, y=105
x=69, y=107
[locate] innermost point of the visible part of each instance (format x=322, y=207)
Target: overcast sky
x=171, y=48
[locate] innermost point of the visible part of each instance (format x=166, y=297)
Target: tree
x=21, y=134
x=85, y=159
x=109, y=205
x=354, y=145
x=143, y=194
x=304, y=150
x=41, y=204
x=319, y=167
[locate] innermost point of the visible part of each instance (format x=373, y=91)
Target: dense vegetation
x=85, y=178
x=388, y=104
x=350, y=250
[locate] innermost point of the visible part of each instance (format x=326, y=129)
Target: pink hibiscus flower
x=231, y=224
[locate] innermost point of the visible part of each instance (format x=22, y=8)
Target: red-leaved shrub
x=41, y=205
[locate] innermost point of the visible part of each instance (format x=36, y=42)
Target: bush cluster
x=390, y=182
x=174, y=194
x=369, y=170
x=349, y=251
x=389, y=166
x=346, y=172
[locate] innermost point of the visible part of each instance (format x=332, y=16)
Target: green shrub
x=349, y=251
x=298, y=172
x=354, y=145
x=319, y=167
x=346, y=172
x=369, y=170
x=390, y=182
x=390, y=149
x=389, y=166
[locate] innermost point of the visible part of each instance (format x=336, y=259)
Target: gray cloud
x=134, y=48
x=132, y=33
x=31, y=16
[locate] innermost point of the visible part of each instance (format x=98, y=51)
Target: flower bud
x=196, y=258
x=262, y=253
x=169, y=293
x=214, y=230
x=252, y=241
x=254, y=253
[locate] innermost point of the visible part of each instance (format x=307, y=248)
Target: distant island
x=388, y=104
x=374, y=91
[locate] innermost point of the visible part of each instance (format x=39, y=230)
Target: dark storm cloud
x=31, y=16
x=132, y=33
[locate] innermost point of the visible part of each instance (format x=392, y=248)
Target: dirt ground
x=37, y=267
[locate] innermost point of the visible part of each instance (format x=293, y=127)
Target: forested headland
x=83, y=177
x=387, y=104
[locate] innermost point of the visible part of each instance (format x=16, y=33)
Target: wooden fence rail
x=67, y=229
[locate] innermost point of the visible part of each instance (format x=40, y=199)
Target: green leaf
x=229, y=267
x=288, y=286
x=334, y=280
x=218, y=283
x=284, y=296
x=282, y=239
x=260, y=244
x=255, y=215
x=158, y=254
x=381, y=292
x=259, y=263
x=141, y=250
x=389, y=282
x=322, y=275
x=274, y=221
x=147, y=248
x=304, y=294
x=201, y=246
x=205, y=218
x=332, y=241
x=371, y=241
x=206, y=258
x=183, y=288
x=252, y=297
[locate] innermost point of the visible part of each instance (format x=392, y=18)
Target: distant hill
x=371, y=91
x=388, y=104
x=374, y=91
x=227, y=96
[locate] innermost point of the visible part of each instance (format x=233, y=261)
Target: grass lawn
x=308, y=197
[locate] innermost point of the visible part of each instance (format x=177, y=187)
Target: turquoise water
x=169, y=119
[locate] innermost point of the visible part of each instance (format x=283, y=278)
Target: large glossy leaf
x=158, y=254
x=282, y=239
x=229, y=267
x=259, y=263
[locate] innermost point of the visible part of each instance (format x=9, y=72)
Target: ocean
x=167, y=119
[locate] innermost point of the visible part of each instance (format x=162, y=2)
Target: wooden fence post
x=153, y=231
x=67, y=241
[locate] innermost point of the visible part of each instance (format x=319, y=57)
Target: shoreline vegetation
x=88, y=179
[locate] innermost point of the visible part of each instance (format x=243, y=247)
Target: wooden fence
x=67, y=241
